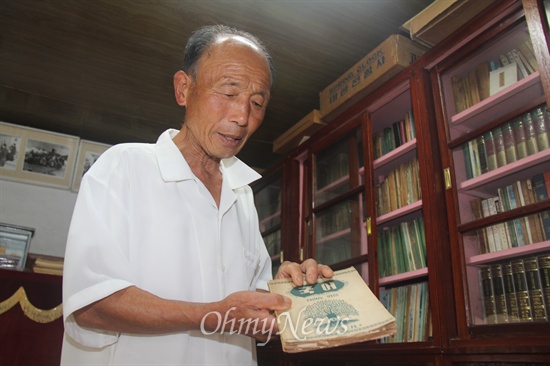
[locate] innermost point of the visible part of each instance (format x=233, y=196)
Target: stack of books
x=48, y=266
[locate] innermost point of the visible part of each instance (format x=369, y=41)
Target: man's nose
x=240, y=111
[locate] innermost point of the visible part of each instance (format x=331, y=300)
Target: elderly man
x=165, y=262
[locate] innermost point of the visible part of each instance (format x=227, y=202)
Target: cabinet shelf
x=482, y=259
x=336, y=235
x=532, y=164
x=399, y=213
x=267, y=222
x=401, y=277
x=498, y=105
x=395, y=154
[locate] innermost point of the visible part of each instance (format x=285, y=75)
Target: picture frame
x=88, y=153
x=14, y=246
x=40, y=157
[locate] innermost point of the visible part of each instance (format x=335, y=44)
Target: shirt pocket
x=251, y=262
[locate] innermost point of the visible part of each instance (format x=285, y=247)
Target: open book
x=333, y=312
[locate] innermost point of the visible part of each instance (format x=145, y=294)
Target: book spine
x=488, y=299
x=530, y=134
x=509, y=143
x=501, y=312
x=542, y=125
x=522, y=292
x=545, y=219
x=499, y=146
x=467, y=161
x=482, y=154
x=544, y=272
x=520, y=138
x=534, y=288
x=522, y=69
x=510, y=293
x=490, y=151
x=539, y=187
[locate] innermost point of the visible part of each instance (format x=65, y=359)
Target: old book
x=487, y=297
x=482, y=73
x=542, y=127
x=530, y=134
x=501, y=312
x=544, y=272
x=509, y=143
x=522, y=292
x=521, y=67
x=520, y=137
x=333, y=312
x=526, y=50
x=482, y=155
x=490, y=151
x=519, y=53
x=498, y=139
x=510, y=293
x=534, y=288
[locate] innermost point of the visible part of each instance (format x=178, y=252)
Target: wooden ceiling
x=102, y=69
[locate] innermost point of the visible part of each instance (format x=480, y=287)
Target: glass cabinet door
x=399, y=221
x=497, y=134
x=268, y=206
x=337, y=203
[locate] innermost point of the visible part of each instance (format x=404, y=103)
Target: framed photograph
x=14, y=246
x=10, y=146
x=88, y=153
x=39, y=157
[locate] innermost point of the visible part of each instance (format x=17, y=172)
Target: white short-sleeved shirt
x=142, y=218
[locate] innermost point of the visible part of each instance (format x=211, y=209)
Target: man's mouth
x=231, y=139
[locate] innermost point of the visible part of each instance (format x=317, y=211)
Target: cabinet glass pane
x=332, y=168
x=487, y=77
x=512, y=290
x=268, y=205
x=273, y=244
x=410, y=306
x=338, y=233
x=505, y=167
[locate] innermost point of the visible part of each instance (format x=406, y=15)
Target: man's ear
x=182, y=82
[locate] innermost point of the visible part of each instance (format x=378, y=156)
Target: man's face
x=227, y=102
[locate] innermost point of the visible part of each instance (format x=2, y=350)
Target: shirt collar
x=173, y=166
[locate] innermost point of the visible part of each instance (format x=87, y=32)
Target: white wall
x=48, y=210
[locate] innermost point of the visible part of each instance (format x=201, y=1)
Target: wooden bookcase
x=491, y=158
x=351, y=204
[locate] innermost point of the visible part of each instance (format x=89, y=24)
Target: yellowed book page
x=330, y=313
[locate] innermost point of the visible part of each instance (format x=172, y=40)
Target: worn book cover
x=333, y=312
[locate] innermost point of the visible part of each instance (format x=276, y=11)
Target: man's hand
x=247, y=312
x=309, y=268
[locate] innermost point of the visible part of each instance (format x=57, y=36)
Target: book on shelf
x=544, y=271
x=401, y=187
x=333, y=312
x=519, y=231
x=509, y=142
x=402, y=248
x=513, y=291
x=521, y=290
x=487, y=295
x=395, y=135
x=525, y=50
x=510, y=293
x=410, y=306
x=542, y=126
x=534, y=288
x=516, y=290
